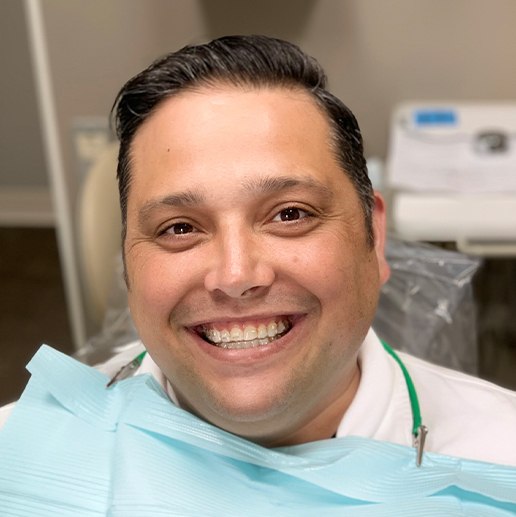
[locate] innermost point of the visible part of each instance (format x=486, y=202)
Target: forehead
x=211, y=113
x=232, y=133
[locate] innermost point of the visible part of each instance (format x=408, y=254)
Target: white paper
x=447, y=160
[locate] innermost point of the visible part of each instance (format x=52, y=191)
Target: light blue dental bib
x=72, y=447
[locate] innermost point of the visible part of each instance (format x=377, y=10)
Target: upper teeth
x=248, y=333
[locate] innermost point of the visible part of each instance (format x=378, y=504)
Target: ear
x=379, y=229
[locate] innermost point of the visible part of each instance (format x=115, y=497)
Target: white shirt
x=466, y=416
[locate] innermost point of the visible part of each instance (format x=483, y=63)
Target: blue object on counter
x=435, y=117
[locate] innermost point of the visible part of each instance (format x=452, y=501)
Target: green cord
x=139, y=358
x=127, y=370
x=414, y=402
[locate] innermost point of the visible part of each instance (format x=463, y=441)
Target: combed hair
x=242, y=61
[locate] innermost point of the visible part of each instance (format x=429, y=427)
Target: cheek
x=324, y=267
x=342, y=276
x=155, y=281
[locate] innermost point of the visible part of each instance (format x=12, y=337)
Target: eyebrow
x=187, y=198
x=257, y=186
x=272, y=184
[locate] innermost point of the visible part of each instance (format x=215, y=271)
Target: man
x=240, y=222
x=253, y=245
x=253, y=248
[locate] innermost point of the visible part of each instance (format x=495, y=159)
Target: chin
x=244, y=415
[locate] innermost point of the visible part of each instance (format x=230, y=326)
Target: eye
x=179, y=236
x=291, y=213
x=179, y=229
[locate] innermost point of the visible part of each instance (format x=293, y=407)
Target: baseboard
x=26, y=206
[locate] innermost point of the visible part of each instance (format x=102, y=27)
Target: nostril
x=249, y=292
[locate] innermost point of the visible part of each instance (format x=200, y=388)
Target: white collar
x=381, y=407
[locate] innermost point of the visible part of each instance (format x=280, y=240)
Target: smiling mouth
x=246, y=335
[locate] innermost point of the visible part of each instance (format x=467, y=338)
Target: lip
x=248, y=356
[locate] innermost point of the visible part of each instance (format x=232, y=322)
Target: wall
x=24, y=193
x=21, y=150
x=95, y=46
x=379, y=52
x=376, y=53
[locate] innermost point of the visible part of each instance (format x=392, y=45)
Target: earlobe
x=380, y=228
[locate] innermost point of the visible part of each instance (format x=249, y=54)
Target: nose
x=239, y=267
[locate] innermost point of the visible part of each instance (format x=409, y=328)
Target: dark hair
x=247, y=61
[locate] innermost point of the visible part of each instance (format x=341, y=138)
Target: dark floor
x=32, y=303
x=33, y=310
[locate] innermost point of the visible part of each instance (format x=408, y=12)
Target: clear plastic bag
x=427, y=307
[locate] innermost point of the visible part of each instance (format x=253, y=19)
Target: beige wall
x=376, y=52
x=22, y=160
x=94, y=46
x=380, y=52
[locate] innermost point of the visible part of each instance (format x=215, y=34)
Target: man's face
x=250, y=278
